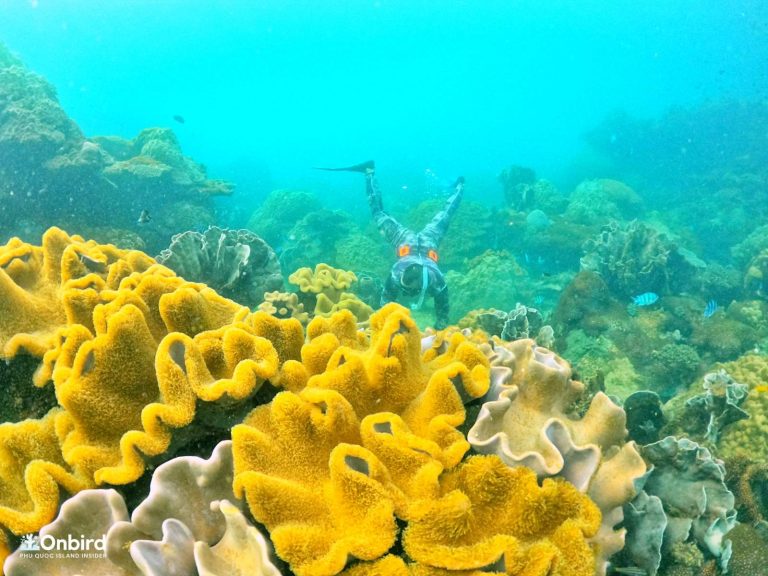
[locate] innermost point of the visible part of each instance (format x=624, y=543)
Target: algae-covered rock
x=598, y=201
x=489, y=283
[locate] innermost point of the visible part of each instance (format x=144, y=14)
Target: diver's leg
x=434, y=231
x=393, y=232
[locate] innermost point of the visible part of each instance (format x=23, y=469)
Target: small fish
x=645, y=299
x=761, y=388
x=538, y=300
x=710, y=308
x=144, y=217
x=178, y=118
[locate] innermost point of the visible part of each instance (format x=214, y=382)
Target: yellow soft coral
x=323, y=291
x=322, y=496
x=284, y=305
x=324, y=279
x=32, y=472
x=133, y=357
x=114, y=416
x=526, y=422
x=35, y=284
x=491, y=515
x=373, y=412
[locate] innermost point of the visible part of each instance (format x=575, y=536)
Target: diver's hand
x=459, y=182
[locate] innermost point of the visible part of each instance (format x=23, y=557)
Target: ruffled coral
x=284, y=305
x=187, y=348
x=32, y=471
x=236, y=263
x=187, y=524
x=328, y=468
x=491, y=515
x=526, y=421
x=323, y=279
x=42, y=288
x=324, y=290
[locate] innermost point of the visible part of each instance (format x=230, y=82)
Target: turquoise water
x=270, y=88
x=615, y=212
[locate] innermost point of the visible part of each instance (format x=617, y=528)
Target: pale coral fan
x=527, y=421
x=190, y=523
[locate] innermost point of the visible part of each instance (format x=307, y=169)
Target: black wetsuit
x=421, y=248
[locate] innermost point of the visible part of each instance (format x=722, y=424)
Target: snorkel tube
x=424, y=285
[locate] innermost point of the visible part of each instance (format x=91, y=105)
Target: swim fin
x=363, y=167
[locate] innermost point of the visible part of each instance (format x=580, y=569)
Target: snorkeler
x=415, y=273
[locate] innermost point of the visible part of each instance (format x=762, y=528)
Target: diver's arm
x=437, y=227
x=391, y=290
x=389, y=227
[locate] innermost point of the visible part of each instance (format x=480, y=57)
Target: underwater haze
x=270, y=88
x=384, y=287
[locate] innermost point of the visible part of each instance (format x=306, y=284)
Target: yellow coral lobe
x=343, y=325
x=250, y=360
x=32, y=309
x=285, y=334
x=32, y=472
x=193, y=308
x=488, y=511
x=324, y=279
x=321, y=497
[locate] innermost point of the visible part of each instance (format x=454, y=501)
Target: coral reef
x=50, y=173
x=374, y=426
x=672, y=368
x=520, y=322
x=526, y=421
x=748, y=437
x=480, y=284
x=236, y=263
x=756, y=275
x=324, y=290
x=586, y=304
x=276, y=216
x=645, y=417
x=469, y=528
x=187, y=347
x=599, y=201
x=314, y=237
x=284, y=305
x=633, y=259
x=698, y=507
x=190, y=523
